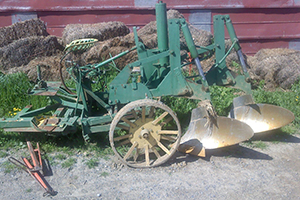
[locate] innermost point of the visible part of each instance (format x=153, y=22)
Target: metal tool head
x=221, y=132
x=260, y=117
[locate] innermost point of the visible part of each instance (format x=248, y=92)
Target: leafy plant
x=13, y=94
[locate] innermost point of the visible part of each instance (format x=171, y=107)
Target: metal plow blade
x=260, y=117
x=221, y=132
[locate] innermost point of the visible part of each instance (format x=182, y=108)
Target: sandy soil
x=236, y=172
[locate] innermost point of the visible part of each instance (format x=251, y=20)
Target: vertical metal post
x=162, y=30
x=233, y=38
x=219, y=37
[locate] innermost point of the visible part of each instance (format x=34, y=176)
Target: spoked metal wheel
x=145, y=133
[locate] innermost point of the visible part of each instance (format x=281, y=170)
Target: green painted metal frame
x=157, y=72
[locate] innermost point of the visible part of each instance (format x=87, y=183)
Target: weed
x=104, y=174
x=256, y=144
x=13, y=94
x=68, y=163
x=61, y=156
x=8, y=167
x=3, y=154
x=92, y=163
x=28, y=190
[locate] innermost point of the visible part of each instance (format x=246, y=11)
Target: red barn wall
x=258, y=24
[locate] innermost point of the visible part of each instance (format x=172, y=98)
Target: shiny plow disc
x=221, y=132
x=260, y=117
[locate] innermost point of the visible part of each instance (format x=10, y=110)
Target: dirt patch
x=236, y=172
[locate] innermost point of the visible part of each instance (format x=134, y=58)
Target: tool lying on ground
x=144, y=132
x=35, y=170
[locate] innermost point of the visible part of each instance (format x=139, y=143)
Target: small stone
x=99, y=195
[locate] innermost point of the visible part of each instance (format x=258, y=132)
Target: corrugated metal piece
x=18, y=17
x=201, y=19
x=295, y=44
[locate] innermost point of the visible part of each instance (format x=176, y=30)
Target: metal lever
x=200, y=70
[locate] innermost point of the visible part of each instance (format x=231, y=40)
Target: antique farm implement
x=144, y=132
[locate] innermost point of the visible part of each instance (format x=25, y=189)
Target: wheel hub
x=145, y=133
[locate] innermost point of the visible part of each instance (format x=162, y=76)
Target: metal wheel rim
x=149, y=137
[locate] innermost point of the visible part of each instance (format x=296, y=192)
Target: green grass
x=104, y=174
x=61, y=156
x=13, y=95
x=288, y=99
x=92, y=163
x=3, y=154
x=28, y=190
x=68, y=163
x=256, y=144
x=8, y=167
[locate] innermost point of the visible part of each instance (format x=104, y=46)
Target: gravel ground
x=236, y=172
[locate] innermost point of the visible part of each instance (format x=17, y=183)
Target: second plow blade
x=207, y=132
x=260, y=117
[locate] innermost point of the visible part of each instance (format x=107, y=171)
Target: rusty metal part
x=145, y=133
x=219, y=133
x=34, y=170
x=35, y=155
x=38, y=176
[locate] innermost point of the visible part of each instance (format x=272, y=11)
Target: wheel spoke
x=147, y=155
x=166, y=121
x=155, y=152
x=155, y=122
x=143, y=114
x=151, y=113
x=123, y=127
x=136, y=155
x=122, y=137
x=123, y=143
x=124, y=119
x=130, y=150
x=134, y=114
x=163, y=147
x=168, y=138
x=169, y=132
